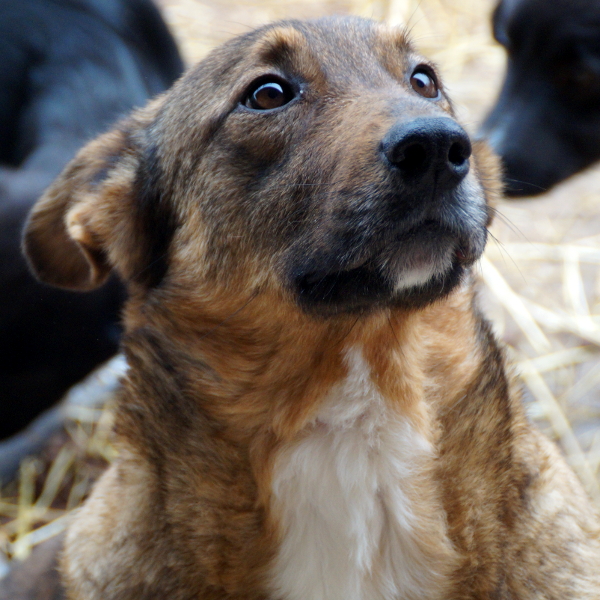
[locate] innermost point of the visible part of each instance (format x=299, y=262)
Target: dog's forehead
x=350, y=48
x=339, y=48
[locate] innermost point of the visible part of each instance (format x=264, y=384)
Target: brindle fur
x=209, y=211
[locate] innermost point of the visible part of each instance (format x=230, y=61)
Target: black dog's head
x=319, y=161
x=546, y=122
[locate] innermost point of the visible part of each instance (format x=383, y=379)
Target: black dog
x=546, y=122
x=68, y=69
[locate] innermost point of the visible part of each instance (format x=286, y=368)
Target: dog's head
x=546, y=121
x=319, y=161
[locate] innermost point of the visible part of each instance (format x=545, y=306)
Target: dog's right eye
x=269, y=94
x=424, y=83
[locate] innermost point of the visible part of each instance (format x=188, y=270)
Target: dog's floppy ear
x=61, y=239
x=90, y=219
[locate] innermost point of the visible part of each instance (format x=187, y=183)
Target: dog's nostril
x=458, y=154
x=428, y=151
x=412, y=158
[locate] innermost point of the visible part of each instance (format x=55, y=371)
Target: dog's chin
x=419, y=271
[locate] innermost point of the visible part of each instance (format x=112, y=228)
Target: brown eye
x=269, y=95
x=424, y=84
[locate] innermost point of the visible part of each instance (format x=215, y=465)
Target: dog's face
x=317, y=161
x=546, y=122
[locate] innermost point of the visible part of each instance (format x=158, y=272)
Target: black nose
x=428, y=151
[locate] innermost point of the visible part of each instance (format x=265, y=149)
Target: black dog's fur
x=546, y=122
x=68, y=69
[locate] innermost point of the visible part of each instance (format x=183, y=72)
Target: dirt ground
x=540, y=276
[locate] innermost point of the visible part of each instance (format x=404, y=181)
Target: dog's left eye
x=269, y=94
x=424, y=83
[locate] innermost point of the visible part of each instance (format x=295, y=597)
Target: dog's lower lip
x=461, y=254
x=417, y=262
x=420, y=257
x=466, y=254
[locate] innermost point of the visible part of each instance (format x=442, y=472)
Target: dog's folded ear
x=84, y=225
x=63, y=237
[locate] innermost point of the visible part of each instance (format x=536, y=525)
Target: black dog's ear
x=88, y=222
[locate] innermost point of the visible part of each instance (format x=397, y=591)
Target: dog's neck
x=251, y=367
x=250, y=386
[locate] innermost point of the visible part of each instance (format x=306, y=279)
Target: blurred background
x=540, y=277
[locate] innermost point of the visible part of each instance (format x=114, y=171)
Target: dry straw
x=540, y=276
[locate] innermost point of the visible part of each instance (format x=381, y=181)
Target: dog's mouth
x=412, y=269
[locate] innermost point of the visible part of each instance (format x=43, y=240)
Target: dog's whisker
x=505, y=252
x=354, y=324
x=389, y=320
x=502, y=217
x=409, y=26
x=527, y=183
x=149, y=266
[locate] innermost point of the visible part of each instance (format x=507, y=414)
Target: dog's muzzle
x=404, y=238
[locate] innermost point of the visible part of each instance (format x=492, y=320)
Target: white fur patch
x=341, y=495
x=420, y=269
x=418, y=277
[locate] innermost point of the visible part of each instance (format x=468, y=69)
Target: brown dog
x=314, y=409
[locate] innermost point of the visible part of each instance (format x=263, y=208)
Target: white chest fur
x=345, y=496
